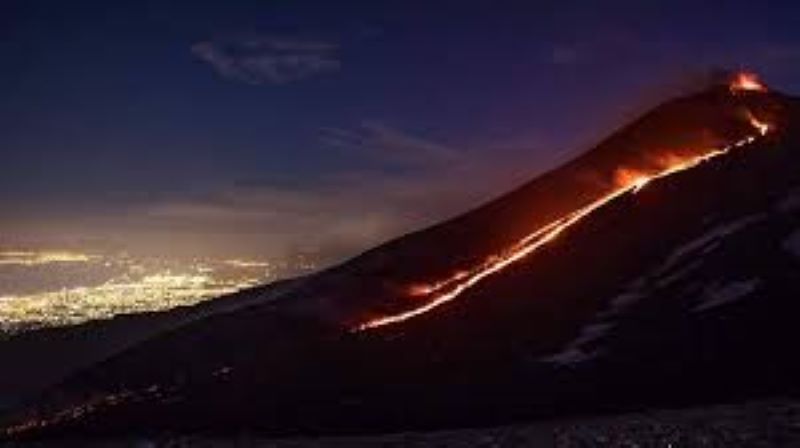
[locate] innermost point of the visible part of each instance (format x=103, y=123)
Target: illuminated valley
x=56, y=288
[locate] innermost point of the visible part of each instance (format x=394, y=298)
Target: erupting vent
x=747, y=82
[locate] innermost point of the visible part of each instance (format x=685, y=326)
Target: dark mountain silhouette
x=681, y=293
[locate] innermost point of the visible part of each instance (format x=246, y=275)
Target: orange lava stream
x=454, y=286
x=761, y=126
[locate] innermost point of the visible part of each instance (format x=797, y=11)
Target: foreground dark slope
x=626, y=309
x=41, y=358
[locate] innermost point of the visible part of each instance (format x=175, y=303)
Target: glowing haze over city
x=49, y=288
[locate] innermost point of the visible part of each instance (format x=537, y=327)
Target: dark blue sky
x=272, y=126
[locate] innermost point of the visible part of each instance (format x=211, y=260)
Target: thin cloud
x=383, y=144
x=344, y=212
x=268, y=60
x=335, y=214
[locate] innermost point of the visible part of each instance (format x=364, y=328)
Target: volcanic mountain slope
x=678, y=289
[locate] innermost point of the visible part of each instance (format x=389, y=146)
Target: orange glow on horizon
x=626, y=181
x=35, y=258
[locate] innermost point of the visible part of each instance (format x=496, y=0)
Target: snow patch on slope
x=574, y=353
x=684, y=260
x=570, y=356
x=706, y=242
x=717, y=295
x=680, y=263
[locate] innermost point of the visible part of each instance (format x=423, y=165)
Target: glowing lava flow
x=761, y=126
x=452, y=287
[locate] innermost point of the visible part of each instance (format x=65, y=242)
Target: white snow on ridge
x=683, y=261
x=573, y=353
x=704, y=240
x=671, y=270
x=631, y=294
x=718, y=295
x=679, y=273
x=626, y=298
x=591, y=332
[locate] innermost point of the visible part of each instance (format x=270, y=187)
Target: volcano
x=658, y=269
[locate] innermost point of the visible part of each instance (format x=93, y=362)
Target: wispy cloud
x=340, y=213
x=389, y=181
x=268, y=60
x=384, y=144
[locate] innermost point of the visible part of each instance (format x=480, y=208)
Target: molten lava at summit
x=625, y=181
x=746, y=82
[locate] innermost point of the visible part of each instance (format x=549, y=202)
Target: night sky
x=266, y=128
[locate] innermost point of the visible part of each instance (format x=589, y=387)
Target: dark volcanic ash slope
x=684, y=292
